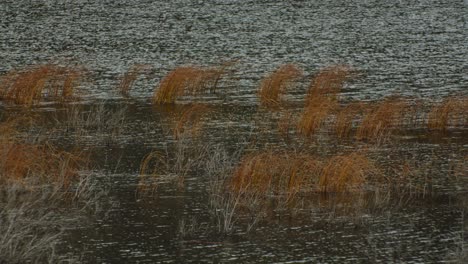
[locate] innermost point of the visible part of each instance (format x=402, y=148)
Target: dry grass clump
x=188, y=80
x=329, y=80
x=190, y=121
x=345, y=117
x=380, y=119
x=274, y=172
x=28, y=86
x=452, y=111
x=28, y=164
x=129, y=78
x=316, y=113
x=322, y=98
x=273, y=85
x=346, y=173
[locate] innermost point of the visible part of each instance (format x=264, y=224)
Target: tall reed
x=276, y=83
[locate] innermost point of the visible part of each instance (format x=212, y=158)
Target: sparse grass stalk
x=129, y=78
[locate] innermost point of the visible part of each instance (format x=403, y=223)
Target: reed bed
x=30, y=85
x=276, y=83
x=381, y=119
x=188, y=80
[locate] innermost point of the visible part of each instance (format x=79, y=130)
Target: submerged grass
x=276, y=83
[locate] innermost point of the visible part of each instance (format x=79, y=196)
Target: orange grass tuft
x=189, y=80
x=28, y=86
x=380, y=119
x=329, y=80
x=322, y=98
x=273, y=85
x=316, y=113
x=452, y=111
x=190, y=120
x=275, y=172
x=346, y=173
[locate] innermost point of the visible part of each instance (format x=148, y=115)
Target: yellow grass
x=381, y=119
x=276, y=83
x=28, y=86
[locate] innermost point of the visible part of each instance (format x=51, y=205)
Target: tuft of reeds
x=381, y=119
x=189, y=122
x=28, y=86
x=345, y=119
x=452, y=111
x=129, y=78
x=315, y=114
x=329, y=80
x=188, y=80
x=276, y=83
x=275, y=172
x=322, y=98
x=346, y=173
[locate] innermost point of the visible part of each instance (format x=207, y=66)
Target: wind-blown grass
x=381, y=119
x=276, y=83
x=129, y=78
x=189, y=80
x=452, y=111
x=28, y=86
x=322, y=98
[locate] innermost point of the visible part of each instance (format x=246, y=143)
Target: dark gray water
x=415, y=48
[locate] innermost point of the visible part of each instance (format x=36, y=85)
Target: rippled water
x=415, y=48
